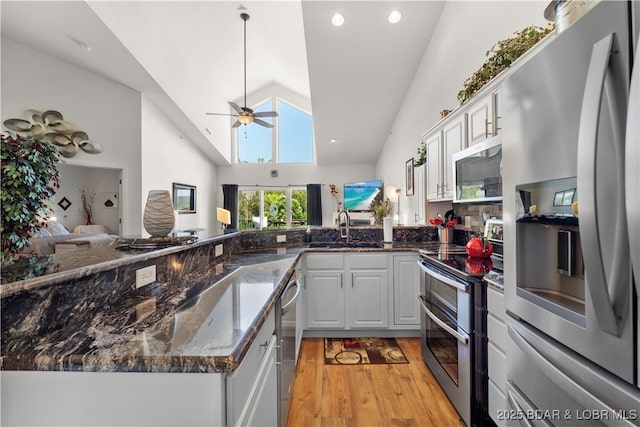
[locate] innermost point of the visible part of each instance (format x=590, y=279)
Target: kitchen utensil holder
x=445, y=235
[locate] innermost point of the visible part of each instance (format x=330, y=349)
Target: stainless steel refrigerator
x=571, y=162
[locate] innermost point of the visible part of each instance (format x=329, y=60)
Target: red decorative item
x=479, y=266
x=479, y=248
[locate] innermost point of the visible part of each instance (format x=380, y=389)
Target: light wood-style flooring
x=367, y=395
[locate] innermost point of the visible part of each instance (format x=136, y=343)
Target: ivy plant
x=501, y=56
x=29, y=179
x=422, y=155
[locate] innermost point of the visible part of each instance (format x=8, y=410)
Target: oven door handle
x=463, y=338
x=443, y=278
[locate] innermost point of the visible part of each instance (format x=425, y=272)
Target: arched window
x=289, y=141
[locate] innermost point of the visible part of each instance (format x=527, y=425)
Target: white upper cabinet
x=481, y=119
x=420, y=182
x=441, y=146
x=453, y=140
x=434, y=169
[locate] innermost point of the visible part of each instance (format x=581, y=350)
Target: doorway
x=102, y=187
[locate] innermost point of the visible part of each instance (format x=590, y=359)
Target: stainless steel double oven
x=448, y=336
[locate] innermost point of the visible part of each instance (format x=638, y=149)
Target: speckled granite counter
x=100, y=322
x=93, y=334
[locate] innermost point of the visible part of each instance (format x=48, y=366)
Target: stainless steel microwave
x=477, y=172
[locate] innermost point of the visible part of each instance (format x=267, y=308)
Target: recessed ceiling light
x=395, y=16
x=337, y=20
x=333, y=140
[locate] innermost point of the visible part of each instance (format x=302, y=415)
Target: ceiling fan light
x=337, y=20
x=245, y=120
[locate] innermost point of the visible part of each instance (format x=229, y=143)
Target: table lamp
x=224, y=216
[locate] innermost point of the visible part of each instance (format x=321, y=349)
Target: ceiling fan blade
x=262, y=123
x=236, y=124
x=265, y=114
x=235, y=107
x=221, y=114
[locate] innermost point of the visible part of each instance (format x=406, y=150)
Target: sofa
x=45, y=240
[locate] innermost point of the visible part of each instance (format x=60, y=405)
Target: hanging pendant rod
x=245, y=18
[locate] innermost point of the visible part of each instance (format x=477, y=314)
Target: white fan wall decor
x=245, y=115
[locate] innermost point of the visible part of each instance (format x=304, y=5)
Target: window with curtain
x=274, y=208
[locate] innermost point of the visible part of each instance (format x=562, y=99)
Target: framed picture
x=108, y=200
x=184, y=198
x=409, y=177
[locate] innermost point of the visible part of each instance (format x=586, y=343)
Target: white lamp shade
x=224, y=216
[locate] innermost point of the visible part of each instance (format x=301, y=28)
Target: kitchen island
x=90, y=337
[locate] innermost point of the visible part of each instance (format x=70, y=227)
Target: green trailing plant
x=501, y=56
x=29, y=179
x=422, y=155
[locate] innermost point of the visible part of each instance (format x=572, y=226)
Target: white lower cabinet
x=325, y=299
x=261, y=406
x=361, y=291
x=406, y=287
x=369, y=299
x=252, y=389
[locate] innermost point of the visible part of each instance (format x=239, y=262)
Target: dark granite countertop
x=49, y=269
x=176, y=336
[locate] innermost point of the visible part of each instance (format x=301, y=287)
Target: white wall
x=136, y=137
x=465, y=32
x=297, y=174
x=107, y=111
x=168, y=157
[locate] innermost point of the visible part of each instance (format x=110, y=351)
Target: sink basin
x=347, y=245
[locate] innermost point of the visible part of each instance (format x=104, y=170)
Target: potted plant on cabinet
x=29, y=179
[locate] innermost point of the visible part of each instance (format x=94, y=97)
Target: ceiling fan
x=245, y=115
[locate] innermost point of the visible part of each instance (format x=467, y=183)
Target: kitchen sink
x=347, y=245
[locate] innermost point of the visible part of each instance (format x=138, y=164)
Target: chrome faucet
x=344, y=231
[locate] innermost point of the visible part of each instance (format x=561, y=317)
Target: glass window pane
x=275, y=208
x=248, y=209
x=299, y=208
x=295, y=135
x=255, y=141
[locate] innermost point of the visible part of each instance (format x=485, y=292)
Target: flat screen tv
x=358, y=195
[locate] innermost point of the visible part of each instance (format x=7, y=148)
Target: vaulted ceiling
x=187, y=55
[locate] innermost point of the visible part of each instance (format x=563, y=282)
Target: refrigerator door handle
x=539, y=351
x=521, y=407
x=598, y=283
x=632, y=171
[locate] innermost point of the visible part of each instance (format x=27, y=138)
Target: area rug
x=362, y=351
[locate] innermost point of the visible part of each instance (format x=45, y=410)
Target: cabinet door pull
x=341, y=284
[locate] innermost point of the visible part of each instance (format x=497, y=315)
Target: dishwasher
x=286, y=334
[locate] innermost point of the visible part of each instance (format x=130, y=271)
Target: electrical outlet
x=218, y=250
x=146, y=275
x=280, y=238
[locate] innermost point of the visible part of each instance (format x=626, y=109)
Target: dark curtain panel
x=314, y=204
x=230, y=202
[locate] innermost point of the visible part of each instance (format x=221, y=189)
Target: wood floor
x=367, y=395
